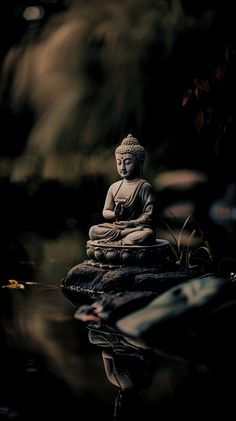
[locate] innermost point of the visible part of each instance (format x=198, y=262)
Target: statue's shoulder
x=113, y=187
x=146, y=184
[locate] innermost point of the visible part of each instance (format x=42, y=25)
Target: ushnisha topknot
x=131, y=145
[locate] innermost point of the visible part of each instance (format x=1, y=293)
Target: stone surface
x=190, y=298
x=110, y=307
x=92, y=277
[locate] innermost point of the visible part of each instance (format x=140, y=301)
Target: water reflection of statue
x=129, y=203
x=129, y=365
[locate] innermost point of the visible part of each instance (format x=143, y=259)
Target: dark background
x=75, y=78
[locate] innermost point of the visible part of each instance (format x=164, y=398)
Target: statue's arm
x=109, y=206
x=147, y=215
x=149, y=200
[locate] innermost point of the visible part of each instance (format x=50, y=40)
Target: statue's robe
x=138, y=207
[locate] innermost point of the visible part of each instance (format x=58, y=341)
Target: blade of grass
x=170, y=231
x=182, y=230
x=188, y=253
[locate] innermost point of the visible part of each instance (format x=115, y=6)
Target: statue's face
x=128, y=165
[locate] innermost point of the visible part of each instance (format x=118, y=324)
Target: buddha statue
x=130, y=202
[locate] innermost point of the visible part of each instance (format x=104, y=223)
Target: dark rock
x=160, y=282
x=187, y=300
x=91, y=276
x=110, y=307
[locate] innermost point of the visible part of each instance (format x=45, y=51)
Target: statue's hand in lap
x=127, y=224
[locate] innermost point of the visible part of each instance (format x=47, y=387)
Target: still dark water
x=48, y=366
x=53, y=365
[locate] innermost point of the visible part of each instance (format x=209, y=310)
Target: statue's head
x=129, y=158
x=131, y=145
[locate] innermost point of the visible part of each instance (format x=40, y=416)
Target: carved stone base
x=116, y=267
x=119, y=254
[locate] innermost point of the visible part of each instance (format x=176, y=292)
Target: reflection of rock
x=129, y=365
x=129, y=254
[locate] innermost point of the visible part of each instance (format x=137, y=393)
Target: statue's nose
x=122, y=165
